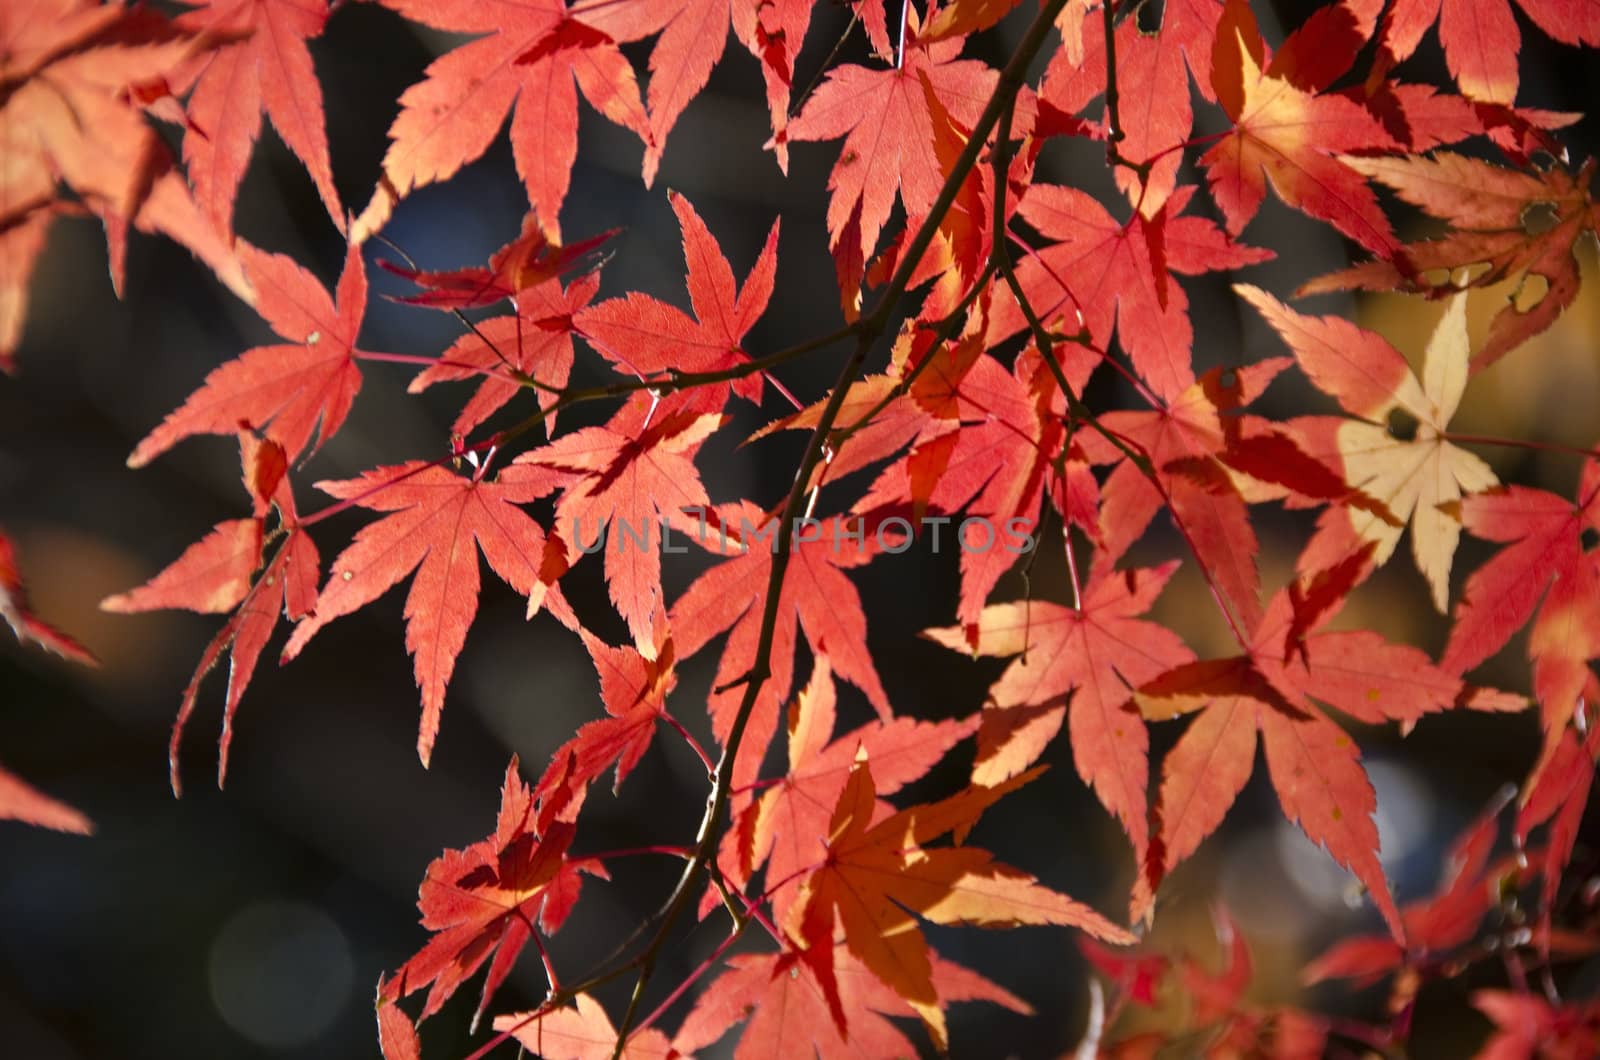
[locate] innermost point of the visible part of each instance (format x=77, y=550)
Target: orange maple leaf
x=1489, y=209
x=1290, y=135
x=434, y=518
x=487, y=898
x=1096, y=655
x=877, y=879
x=73, y=72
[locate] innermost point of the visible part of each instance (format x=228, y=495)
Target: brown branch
x=943, y=332
x=1077, y=411
x=1114, y=132
x=868, y=329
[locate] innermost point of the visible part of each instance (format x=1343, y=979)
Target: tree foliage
x=979, y=307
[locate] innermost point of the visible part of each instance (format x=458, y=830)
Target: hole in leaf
x=1149, y=15
x=1402, y=425
x=1590, y=538
x=1539, y=218
x=1229, y=379
x=1530, y=292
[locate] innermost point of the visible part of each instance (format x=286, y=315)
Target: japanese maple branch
x=671, y=380
x=760, y=670
x=1079, y=413
x=1517, y=443
x=943, y=332
x=1114, y=132
x=868, y=329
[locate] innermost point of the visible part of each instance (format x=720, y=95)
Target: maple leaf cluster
x=979, y=302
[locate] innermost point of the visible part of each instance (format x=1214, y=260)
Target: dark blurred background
x=254, y=922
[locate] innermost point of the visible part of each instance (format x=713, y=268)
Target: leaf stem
x=688, y=738
x=1517, y=443
x=628, y=852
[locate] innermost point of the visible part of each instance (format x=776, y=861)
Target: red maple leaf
x=397, y=1035
x=1274, y=687
x=1543, y=561
x=268, y=70
x=645, y=336
x=435, y=517
x=222, y=573
x=788, y=1011
x=1554, y=797
x=1153, y=87
x=533, y=55
x=990, y=449
x=1191, y=444
x=634, y=690
x=487, y=898
x=1217, y=1014
x=691, y=45
x=774, y=31
x=816, y=596
x=1096, y=654
x=1435, y=925
x=1236, y=1025
x=1108, y=271
x=1285, y=132
x=883, y=116
x=636, y=476
x=1527, y=1025
x=534, y=343
x=291, y=391
x=527, y=262
x=1480, y=37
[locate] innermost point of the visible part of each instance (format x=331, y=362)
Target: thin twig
x=805, y=93
x=688, y=738
x=1114, y=131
